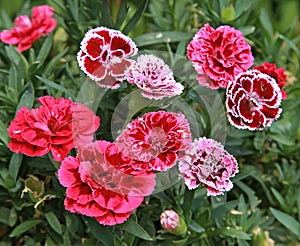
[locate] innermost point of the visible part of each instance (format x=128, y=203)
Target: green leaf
x=44, y=51
x=196, y=227
x=282, y=139
x=56, y=86
x=121, y=14
x=288, y=221
x=135, y=18
x=228, y=13
x=233, y=232
x=27, y=98
x=266, y=22
x=279, y=198
x=54, y=222
x=13, y=54
x=106, y=19
x=4, y=213
x=15, y=165
x=12, y=217
x=101, y=233
x=188, y=202
x=219, y=211
x=23, y=227
x=161, y=37
x=54, y=61
x=3, y=133
x=135, y=229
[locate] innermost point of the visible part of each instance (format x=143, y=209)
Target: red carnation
x=218, y=55
x=50, y=128
x=277, y=73
x=26, y=31
x=253, y=100
x=103, y=56
x=157, y=138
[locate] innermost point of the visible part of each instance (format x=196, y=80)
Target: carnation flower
x=103, y=56
x=49, y=128
x=172, y=222
x=95, y=186
x=219, y=55
x=253, y=100
x=207, y=164
x=26, y=31
x=276, y=73
x=154, y=77
x=158, y=138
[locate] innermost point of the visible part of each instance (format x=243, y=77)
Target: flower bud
x=172, y=222
x=261, y=237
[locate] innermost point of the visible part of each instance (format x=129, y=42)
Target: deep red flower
x=158, y=138
x=50, y=128
x=101, y=189
x=253, y=100
x=207, y=164
x=104, y=54
x=26, y=31
x=218, y=55
x=277, y=73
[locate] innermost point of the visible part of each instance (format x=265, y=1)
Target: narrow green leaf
x=136, y=17
x=135, y=229
x=196, y=227
x=56, y=86
x=233, y=232
x=13, y=54
x=188, y=202
x=45, y=49
x=121, y=14
x=12, y=219
x=27, y=98
x=4, y=213
x=49, y=68
x=15, y=165
x=282, y=139
x=106, y=19
x=288, y=221
x=54, y=222
x=23, y=227
x=3, y=133
x=279, y=198
x=13, y=81
x=266, y=22
x=228, y=13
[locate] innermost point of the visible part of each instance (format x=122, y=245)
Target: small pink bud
x=174, y=224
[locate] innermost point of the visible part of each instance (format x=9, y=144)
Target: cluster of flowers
x=221, y=58
x=108, y=180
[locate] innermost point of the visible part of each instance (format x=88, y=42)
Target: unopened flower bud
x=172, y=222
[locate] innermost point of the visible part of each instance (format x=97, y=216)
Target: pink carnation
x=253, y=100
x=154, y=77
x=103, y=56
x=169, y=220
x=50, y=128
x=100, y=189
x=207, y=164
x=219, y=55
x=26, y=31
x=158, y=138
x=276, y=73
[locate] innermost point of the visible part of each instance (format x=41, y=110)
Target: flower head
x=154, y=77
x=253, y=100
x=218, y=55
x=26, y=31
x=277, y=73
x=50, y=128
x=207, y=164
x=104, y=54
x=99, y=189
x=157, y=138
x=172, y=222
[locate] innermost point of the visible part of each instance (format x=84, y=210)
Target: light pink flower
x=253, y=100
x=218, y=55
x=277, y=73
x=154, y=77
x=104, y=54
x=207, y=164
x=99, y=189
x=50, y=128
x=169, y=220
x=158, y=138
x=26, y=31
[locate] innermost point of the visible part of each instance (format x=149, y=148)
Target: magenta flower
x=253, y=100
x=100, y=189
x=153, y=77
x=219, y=55
x=26, y=31
x=172, y=222
x=104, y=54
x=54, y=126
x=207, y=164
x=277, y=73
x=158, y=138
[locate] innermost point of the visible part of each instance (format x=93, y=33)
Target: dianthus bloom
x=104, y=54
x=26, y=31
x=157, y=138
x=51, y=127
x=100, y=189
x=207, y=164
x=277, y=73
x=219, y=55
x=253, y=100
x=172, y=222
x=154, y=77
